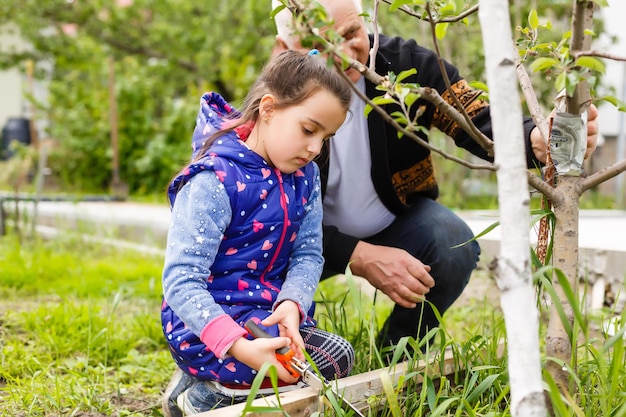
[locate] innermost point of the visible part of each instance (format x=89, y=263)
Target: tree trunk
x=565, y=258
x=513, y=273
x=565, y=247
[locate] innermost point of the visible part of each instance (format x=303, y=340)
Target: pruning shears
x=298, y=368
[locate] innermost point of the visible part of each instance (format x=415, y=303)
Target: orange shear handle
x=284, y=355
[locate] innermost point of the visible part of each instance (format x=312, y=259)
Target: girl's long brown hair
x=291, y=77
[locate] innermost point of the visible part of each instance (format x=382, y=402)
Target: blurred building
x=12, y=100
x=16, y=85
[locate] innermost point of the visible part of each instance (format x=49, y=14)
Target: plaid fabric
x=332, y=354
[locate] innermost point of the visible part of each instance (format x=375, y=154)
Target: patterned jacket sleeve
x=192, y=243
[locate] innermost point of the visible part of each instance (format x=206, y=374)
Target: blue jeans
x=204, y=398
x=428, y=231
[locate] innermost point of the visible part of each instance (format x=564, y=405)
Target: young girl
x=245, y=240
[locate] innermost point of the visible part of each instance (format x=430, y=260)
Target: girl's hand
x=287, y=316
x=255, y=353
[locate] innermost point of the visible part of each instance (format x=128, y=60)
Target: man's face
x=351, y=26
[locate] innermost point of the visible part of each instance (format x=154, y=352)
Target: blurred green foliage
x=166, y=53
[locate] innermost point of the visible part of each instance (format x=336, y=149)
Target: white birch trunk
x=513, y=273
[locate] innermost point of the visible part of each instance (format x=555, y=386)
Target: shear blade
x=314, y=381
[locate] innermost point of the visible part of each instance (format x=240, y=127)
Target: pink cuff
x=220, y=334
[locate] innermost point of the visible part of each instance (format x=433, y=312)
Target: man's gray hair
x=284, y=24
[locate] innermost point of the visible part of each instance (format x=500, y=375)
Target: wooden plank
x=356, y=389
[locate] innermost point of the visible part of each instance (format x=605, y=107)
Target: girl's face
x=289, y=138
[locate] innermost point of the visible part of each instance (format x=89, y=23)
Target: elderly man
x=381, y=216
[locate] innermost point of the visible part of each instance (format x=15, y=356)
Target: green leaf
x=411, y=98
x=479, y=86
x=621, y=106
x=591, y=63
x=544, y=46
x=382, y=100
x=441, y=29
x=397, y=4
x=543, y=63
x=483, y=386
x=479, y=235
x=405, y=74
x=571, y=81
x=270, y=369
x=445, y=406
x=390, y=393
x=399, y=117
x=566, y=35
x=448, y=10
x=559, y=83
x=277, y=10
x=572, y=298
x=533, y=19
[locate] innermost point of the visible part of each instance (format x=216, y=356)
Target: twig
x=544, y=188
x=600, y=54
x=428, y=93
x=412, y=135
x=483, y=141
x=603, y=175
x=531, y=98
x=449, y=19
x=374, y=49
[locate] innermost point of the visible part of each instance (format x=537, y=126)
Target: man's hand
x=394, y=271
x=592, y=130
x=540, y=147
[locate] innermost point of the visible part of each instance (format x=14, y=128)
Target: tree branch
x=428, y=93
x=483, y=141
x=531, y=98
x=412, y=135
x=374, y=49
x=600, y=54
x=450, y=19
x=544, y=188
x=581, y=21
x=604, y=174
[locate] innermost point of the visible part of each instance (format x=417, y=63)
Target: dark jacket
x=401, y=168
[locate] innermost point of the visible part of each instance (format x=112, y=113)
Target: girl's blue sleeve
x=200, y=215
x=306, y=261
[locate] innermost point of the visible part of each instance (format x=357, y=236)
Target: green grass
x=79, y=330
x=80, y=335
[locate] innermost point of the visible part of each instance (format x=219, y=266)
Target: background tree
x=573, y=76
x=167, y=53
